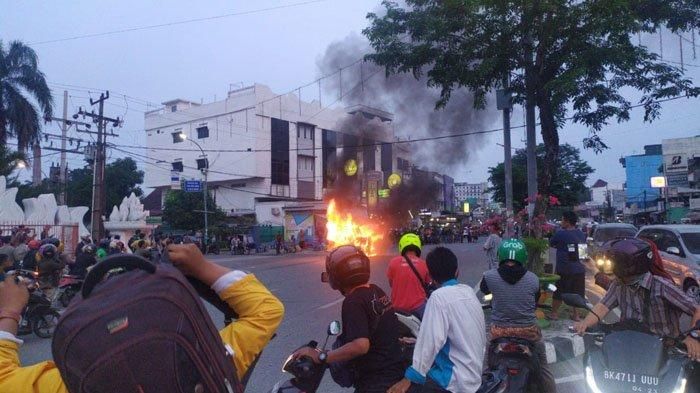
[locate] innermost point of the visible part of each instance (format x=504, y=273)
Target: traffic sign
x=193, y=186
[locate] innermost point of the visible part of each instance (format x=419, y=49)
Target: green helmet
x=410, y=241
x=512, y=250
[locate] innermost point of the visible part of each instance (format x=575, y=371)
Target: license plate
x=637, y=382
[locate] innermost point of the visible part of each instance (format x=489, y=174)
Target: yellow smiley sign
x=394, y=180
x=350, y=167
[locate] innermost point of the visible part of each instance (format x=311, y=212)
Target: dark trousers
x=429, y=387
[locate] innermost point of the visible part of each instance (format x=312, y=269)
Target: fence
x=67, y=233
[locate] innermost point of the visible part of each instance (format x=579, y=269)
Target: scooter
x=515, y=360
x=307, y=375
x=622, y=358
x=68, y=287
x=39, y=317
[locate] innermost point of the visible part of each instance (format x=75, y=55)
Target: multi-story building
x=266, y=148
x=639, y=169
x=477, y=192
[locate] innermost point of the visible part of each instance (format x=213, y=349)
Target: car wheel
x=693, y=290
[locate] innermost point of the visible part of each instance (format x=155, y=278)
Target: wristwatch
x=323, y=356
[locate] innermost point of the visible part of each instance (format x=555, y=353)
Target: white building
x=265, y=148
x=477, y=191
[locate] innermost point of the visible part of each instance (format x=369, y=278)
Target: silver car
x=679, y=246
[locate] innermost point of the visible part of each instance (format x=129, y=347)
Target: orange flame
x=343, y=229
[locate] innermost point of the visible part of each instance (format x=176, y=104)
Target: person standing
x=569, y=266
x=491, y=246
x=408, y=282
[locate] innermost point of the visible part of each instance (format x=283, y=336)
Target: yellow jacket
x=260, y=313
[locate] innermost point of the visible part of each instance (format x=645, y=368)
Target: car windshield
x=606, y=234
x=692, y=241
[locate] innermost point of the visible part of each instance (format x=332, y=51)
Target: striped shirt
x=666, y=302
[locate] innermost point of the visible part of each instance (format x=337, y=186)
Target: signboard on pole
x=193, y=186
x=658, y=182
x=175, y=180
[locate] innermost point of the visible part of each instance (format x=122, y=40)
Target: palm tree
x=20, y=80
x=9, y=160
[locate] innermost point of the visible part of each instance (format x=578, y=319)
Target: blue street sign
x=193, y=186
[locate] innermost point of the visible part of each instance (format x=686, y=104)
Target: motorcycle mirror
x=574, y=300
x=552, y=288
x=324, y=277
x=334, y=328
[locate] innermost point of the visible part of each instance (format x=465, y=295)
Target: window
x=177, y=166
x=173, y=108
x=305, y=163
x=202, y=132
x=279, y=171
x=202, y=163
x=176, y=137
x=305, y=131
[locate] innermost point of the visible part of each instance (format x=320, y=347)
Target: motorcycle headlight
x=680, y=385
x=600, y=262
x=608, y=264
x=590, y=380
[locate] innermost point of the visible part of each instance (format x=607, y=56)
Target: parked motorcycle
x=38, y=317
x=622, y=358
x=515, y=360
x=68, y=287
x=307, y=375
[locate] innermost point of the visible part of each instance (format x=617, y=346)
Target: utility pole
x=530, y=127
x=64, y=134
x=503, y=100
x=99, y=196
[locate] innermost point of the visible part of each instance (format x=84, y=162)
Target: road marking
x=570, y=378
x=331, y=304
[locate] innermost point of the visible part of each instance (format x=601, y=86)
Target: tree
x=9, y=160
x=20, y=79
x=122, y=177
x=573, y=57
x=184, y=210
x=568, y=185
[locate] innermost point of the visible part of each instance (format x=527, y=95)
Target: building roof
x=370, y=112
x=179, y=100
x=599, y=183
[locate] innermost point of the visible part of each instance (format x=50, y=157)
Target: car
x=604, y=233
x=679, y=246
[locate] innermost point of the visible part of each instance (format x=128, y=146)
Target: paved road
x=311, y=305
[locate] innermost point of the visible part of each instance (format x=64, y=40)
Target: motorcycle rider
x=260, y=313
x=84, y=261
x=84, y=241
x=408, y=293
x=449, y=351
x=50, y=267
x=515, y=292
x=29, y=261
x=641, y=296
x=368, y=349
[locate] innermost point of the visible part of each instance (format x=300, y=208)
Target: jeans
x=418, y=312
x=429, y=387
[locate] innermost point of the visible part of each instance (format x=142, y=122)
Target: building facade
x=264, y=148
x=639, y=169
x=477, y=192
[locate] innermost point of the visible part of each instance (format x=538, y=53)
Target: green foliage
x=574, y=57
x=184, y=210
x=535, y=248
x=568, y=184
x=20, y=81
x=9, y=159
x=122, y=177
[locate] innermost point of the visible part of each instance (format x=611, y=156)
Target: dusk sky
x=279, y=44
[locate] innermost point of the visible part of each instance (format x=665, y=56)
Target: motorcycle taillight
x=513, y=371
x=513, y=348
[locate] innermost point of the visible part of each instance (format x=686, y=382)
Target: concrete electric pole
x=503, y=101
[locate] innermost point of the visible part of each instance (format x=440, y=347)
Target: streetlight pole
x=205, y=171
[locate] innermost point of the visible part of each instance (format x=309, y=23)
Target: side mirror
x=673, y=251
x=334, y=328
x=574, y=300
x=324, y=277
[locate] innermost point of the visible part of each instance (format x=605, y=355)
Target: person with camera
x=259, y=315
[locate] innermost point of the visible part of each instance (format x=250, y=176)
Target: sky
x=274, y=42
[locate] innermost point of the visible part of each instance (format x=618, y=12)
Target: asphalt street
x=311, y=305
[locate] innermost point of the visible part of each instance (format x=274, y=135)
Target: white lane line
x=570, y=378
x=331, y=304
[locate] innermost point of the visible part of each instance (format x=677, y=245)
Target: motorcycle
x=68, y=287
x=38, y=317
x=515, y=362
x=307, y=375
x=622, y=357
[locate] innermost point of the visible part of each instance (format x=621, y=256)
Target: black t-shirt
x=368, y=313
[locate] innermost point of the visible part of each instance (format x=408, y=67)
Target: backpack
x=143, y=330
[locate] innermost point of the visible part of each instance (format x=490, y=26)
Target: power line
x=181, y=22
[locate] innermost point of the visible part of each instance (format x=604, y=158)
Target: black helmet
x=48, y=251
x=346, y=266
x=90, y=249
x=52, y=240
x=630, y=257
